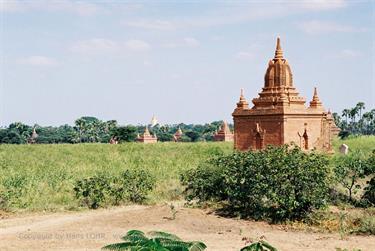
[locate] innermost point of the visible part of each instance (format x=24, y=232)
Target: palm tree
x=345, y=113
x=81, y=127
x=360, y=106
x=367, y=118
x=353, y=113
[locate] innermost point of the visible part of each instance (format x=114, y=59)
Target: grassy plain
x=41, y=177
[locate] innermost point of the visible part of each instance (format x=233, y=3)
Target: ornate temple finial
x=315, y=102
x=242, y=98
x=315, y=96
x=278, y=51
x=242, y=103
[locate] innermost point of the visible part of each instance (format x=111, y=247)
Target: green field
x=45, y=174
x=41, y=177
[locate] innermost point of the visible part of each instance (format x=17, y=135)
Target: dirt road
x=91, y=230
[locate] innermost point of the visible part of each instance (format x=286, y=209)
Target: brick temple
x=224, y=133
x=146, y=137
x=279, y=115
x=178, y=135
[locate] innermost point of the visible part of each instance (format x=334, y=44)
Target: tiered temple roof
x=224, y=133
x=178, y=134
x=278, y=87
x=146, y=137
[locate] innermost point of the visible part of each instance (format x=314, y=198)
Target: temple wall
x=245, y=131
x=295, y=128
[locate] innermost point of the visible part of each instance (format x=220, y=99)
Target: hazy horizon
x=180, y=61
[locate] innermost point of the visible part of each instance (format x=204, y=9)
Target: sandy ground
x=91, y=230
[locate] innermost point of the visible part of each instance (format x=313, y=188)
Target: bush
x=366, y=225
x=93, y=191
x=131, y=185
x=277, y=183
x=137, y=184
x=369, y=196
x=11, y=190
x=204, y=183
x=349, y=171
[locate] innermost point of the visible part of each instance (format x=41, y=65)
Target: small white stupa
x=154, y=121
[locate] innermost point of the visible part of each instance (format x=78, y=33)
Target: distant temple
x=279, y=115
x=146, y=137
x=154, y=121
x=177, y=136
x=33, y=137
x=224, y=133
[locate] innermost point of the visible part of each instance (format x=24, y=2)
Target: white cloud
x=38, y=61
x=76, y=7
x=234, y=14
x=147, y=63
x=322, y=4
x=244, y=55
x=347, y=53
x=185, y=42
x=11, y=6
x=191, y=42
x=151, y=24
x=98, y=46
x=137, y=45
x=323, y=27
x=95, y=45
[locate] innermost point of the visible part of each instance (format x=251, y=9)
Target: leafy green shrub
x=369, y=195
x=11, y=190
x=155, y=241
x=277, y=183
x=365, y=225
x=259, y=246
x=204, y=183
x=137, y=184
x=349, y=170
x=92, y=191
x=131, y=185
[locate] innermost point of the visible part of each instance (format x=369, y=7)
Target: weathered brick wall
x=271, y=129
x=295, y=128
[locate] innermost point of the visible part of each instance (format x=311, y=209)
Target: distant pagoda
x=154, y=121
x=178, y=135
x=146, y=137
x=33, y=137
x=224, y=133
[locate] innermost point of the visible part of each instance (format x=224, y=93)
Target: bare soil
x=91, y=230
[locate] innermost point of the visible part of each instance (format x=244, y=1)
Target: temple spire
x=315, y=102
x=242, y=103
x=278, y=51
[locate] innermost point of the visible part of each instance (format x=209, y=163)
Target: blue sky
x=184, y=61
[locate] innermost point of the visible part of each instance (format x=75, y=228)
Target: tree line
x=356, y=121
x=93, y=130
x=352, y=121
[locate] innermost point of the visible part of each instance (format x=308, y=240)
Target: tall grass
x=41, y=177
x=365, y=144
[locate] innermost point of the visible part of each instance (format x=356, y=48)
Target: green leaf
x=158, y=234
